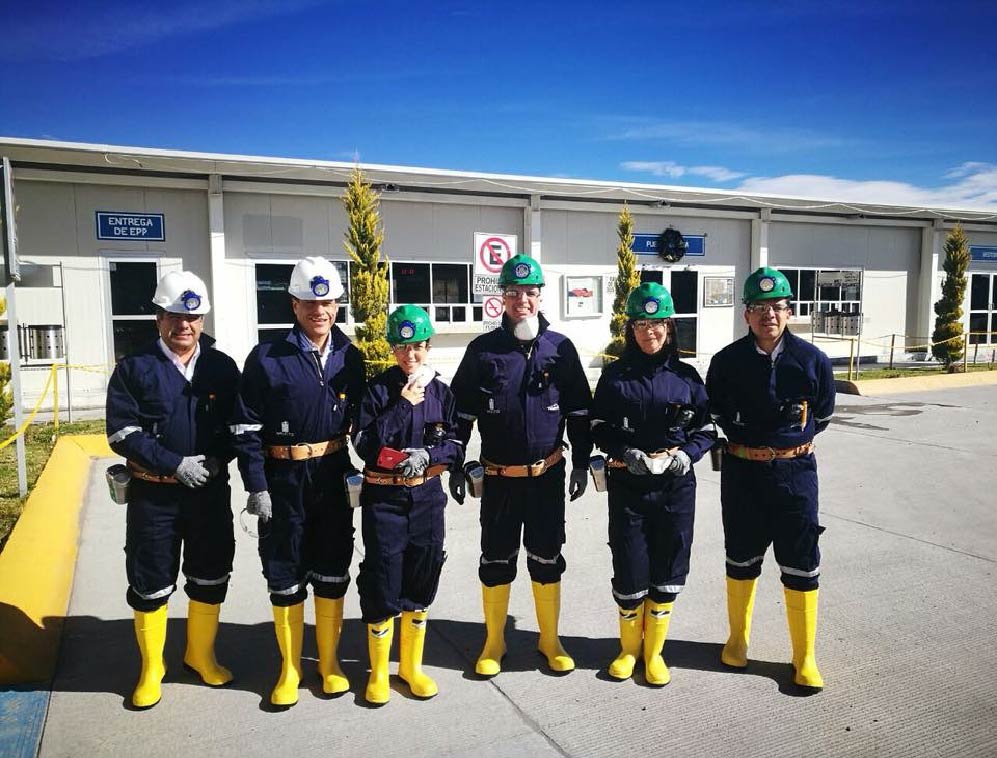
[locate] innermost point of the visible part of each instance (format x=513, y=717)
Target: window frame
x=816, y=304
x=254, y=295
x=108, y=257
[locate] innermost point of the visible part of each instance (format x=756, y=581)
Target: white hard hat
x=315, y=278
x=182, y=292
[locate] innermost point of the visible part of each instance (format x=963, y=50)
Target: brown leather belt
x=306, y=450
x=614, y=463
x=523, y=470
x=767, y=454
x=389, y=479
x=147, y=476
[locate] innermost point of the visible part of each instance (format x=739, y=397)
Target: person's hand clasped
x=637, y=461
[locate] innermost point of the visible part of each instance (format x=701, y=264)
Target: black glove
x=458, y=485
x=637, y=461
x=577, y=483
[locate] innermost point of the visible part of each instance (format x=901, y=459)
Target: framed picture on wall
x=582, y=296
x=718, y=291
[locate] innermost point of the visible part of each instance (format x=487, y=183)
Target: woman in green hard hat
x=650, y=415
x=771, y=392
x=405, y=434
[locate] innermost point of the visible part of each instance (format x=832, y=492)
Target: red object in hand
x=388, y=458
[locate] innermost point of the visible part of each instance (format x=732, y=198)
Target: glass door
x=983, y=309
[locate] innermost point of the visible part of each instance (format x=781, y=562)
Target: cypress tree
x=368, y=274
x=626, y=279
x=948, y=347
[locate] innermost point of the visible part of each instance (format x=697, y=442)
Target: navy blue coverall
x=522, y=396
x=286, y=398
x=403, y=527
x=155, y=418
x=652, y=403
x=778, y=404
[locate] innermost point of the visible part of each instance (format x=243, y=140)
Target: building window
x=442, y=289
x=983, y=309
x=133, y=316
x=273, y=304
x=825, y=292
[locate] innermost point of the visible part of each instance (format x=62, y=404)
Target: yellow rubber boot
x=379, y=638
x=150, y=631
x=656, y=619
x=801, y=613
x=740, y=604
x=547, y=598
x=328, y=624
x=631, y=637
x=289, y=626
x=495, y=602
x=202, y=627
x=411, y=643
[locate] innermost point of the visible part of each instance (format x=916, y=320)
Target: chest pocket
x=545, y=384
x=156, y=404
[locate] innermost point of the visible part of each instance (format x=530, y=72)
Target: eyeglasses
x=763, y=307
x=512, y=294
x=416, y=347
x=649, y=323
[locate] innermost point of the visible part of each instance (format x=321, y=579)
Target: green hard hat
x=409, y=323
x=650, y=300
x=521, y=269
x=766, y=284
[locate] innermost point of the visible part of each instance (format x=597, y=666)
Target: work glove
x=577, y=483
x=259, y=505
x=680, y=464
x=213, y=465
x=638, y=463
x=458, y=485
x=192, y=472
x=416, y=463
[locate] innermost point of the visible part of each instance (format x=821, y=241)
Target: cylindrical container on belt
x=118, y=477
x=354, y=481
x=717, y=455
x=474, y=472
x=597, y=467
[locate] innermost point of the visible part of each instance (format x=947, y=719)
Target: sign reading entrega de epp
x=144, y=227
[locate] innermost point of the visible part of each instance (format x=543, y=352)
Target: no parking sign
x=490, y=252
x=491, y=312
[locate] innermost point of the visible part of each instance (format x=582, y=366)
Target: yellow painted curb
x=903, y=384
x=38, y=563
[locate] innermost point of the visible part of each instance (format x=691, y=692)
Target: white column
x=760, y=239
x=927, y=281
x=225, y=323
x=533, y=225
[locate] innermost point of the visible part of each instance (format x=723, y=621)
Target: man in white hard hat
x=297, y=400
x=167, y=411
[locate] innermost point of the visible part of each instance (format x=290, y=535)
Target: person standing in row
x=771, y=392
x=523, y=383
x=651, y=417
x=406, y=434
x=167, y=411
x=297, y=401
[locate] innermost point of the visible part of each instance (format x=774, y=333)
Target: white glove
x=637, y=461
x=415, y=464
x=259, y=505
x=192, y=472
x=680, y=464
x=577, y=483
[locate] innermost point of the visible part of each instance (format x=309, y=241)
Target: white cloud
x=92, y=30
x=715, y=133
x=673, y=170
x=974, y=186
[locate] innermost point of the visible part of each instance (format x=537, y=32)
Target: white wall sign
x=582, y=296
x=490, y=252
x=491, y=312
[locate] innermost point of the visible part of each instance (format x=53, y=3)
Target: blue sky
x=884, y=101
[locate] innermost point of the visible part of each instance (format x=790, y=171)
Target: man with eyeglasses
x=771, y=392
x=167, y=413
x=523, y=384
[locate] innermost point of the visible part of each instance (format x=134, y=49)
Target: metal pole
x=851, y=357
x=976, y=351
x=965, y=352
x=13, y=350
x=893, y=343
x=54, y=370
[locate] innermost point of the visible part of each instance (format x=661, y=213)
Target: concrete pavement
x=905, y=641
